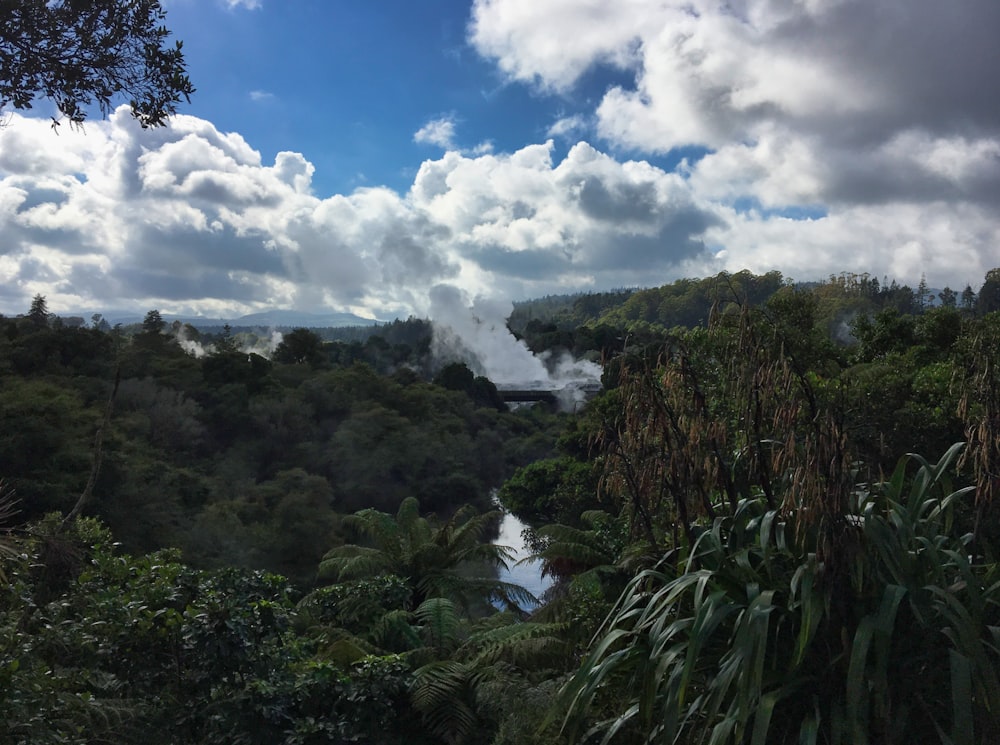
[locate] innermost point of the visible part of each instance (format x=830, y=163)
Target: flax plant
x=791, y=604
x=725, y=414
x=979, y=407
x=744, y=641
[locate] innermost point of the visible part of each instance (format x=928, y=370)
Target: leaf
x=961, y=699
x=857, y=690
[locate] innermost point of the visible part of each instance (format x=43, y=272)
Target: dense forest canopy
x=204, y=541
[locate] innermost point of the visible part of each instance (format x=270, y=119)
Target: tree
x=100, y=323
x=456, y=376
x=80, y=54
x=948, y=297
x=153, y=652
x=968, y=299
x=923, y=297
x=153, y=323
x=989, y=294
x=435, y=560
x=555, y=489
x=300, y=346
x=226, y=343
x=39, y=312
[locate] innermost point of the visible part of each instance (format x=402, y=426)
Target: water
x=528, y=574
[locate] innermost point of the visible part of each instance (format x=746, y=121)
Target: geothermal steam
x=477, y=334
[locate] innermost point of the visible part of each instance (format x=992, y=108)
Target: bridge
x=544, y=395
x=512, y=396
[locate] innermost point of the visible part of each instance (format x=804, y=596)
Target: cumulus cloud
x=522, y=224
x=568, y=126
x=872, y=116
x=440, y=132
x=193, y=219
x=709, y=72
x=248, y=4
x=818, y=137
x=190, y=218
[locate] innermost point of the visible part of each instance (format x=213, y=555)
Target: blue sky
x=349, y=84
x=388, y=158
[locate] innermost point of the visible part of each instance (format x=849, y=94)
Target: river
x=529, y=574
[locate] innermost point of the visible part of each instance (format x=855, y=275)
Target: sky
x=392, y=157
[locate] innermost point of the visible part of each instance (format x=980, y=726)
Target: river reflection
x=528, y=574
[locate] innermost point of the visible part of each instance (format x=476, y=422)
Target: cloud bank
x=821, y=137
x=873, y=117
x=190, y=219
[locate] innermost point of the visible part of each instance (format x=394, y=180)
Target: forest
x=776, y=523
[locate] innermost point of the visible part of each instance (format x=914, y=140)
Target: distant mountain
x=298, y=319
x=264, y=319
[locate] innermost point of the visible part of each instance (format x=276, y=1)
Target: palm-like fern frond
x=440, y=624
x=436, y=560
x=527, y=645
x=354, y=562
x=570, y=550
x=442, y=694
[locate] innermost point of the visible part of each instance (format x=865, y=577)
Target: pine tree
x=39, y=312
x=153, y=323
x=968, y=299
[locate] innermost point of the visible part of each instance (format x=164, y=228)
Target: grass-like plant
x=752, y=637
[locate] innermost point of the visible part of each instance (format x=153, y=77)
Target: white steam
x=248, y=345
x=477, y=335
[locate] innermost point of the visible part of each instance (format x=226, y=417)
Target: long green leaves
x=752, y=640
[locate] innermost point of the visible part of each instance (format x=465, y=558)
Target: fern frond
x=440, y=623
x=354, y=562
x=440, y=693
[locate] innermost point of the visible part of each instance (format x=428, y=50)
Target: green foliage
x=988, y=299
x=111, y=648
x=451, y=560
x=81, y=54
x=551, y=490
x=153, y=323
x=198, y=452
x=790, y=603
x=456, y=376
x=44, y=443
x=750, y=639
x=298, y=347
x=366, y=609
x=39, y=312
x=470, y=663
x=591, y=566
x=689, y=302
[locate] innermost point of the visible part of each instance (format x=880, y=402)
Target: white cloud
x=262, y=96
x=188, y=218
x=568, y=126
x=439, y=132
x=870, y=115
x=191, y=218
x=951, y=245
x=828, y=136
x=553, y=43
x=710, y=73
x=248, y=4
